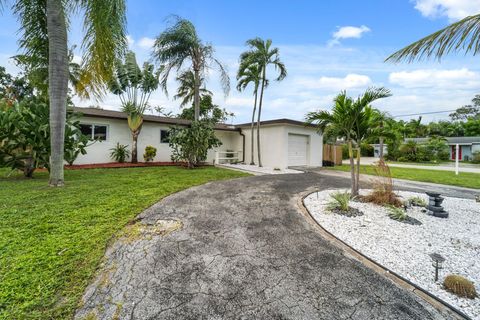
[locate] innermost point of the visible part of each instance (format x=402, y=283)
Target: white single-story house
x=467, y=146
x=376, y=150
x=284, y=142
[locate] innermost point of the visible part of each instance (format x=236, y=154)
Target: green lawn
x=464, y=179
x=52, y=239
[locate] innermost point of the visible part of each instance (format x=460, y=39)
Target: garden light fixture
x=437, y=263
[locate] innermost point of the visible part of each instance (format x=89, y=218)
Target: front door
x=454, y=148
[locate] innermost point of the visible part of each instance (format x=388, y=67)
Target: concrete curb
x=442, y=306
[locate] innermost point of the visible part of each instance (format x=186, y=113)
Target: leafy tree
x=13, y=89
x=103, y=42
x=25, y=136
x=262, y=55
x=468, y=111
x=251, y=73
x=437, y=148
x=472, y=128
x=191, y=144
x=179, y=46
x=134, y=87
x=350, y=120
x=380, y=122
x=208, y=111
x=186, y=88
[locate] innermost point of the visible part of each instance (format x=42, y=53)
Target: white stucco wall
x=274, y=145
x=118, y=131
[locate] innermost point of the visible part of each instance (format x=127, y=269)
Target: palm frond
x=463, y=35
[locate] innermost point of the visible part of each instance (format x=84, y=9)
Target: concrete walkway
x=463, y=167
x=240, y=249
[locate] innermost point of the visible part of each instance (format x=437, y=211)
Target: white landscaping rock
x=257, y=169
x=405, y=248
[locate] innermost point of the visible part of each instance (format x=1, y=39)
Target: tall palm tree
x=351, y=120
x=246, y=75
x=134, y=87
x=463, y=35
x=180, y=45
x=104, y=40
x=262, y=54
x=186, y=88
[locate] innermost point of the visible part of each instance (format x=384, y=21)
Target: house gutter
x=243, y=144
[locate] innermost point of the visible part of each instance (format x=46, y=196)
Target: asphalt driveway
x=240, y=249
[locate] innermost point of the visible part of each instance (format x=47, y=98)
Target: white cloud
x=453, y=9
x=347, y=32
x=350, y=81
x=130, y=41
x=146, y=43
x=431, y=78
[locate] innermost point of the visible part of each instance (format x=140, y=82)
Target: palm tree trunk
x=252, y=160
x=58, y=86
x=259, y=115
x=381, y=148
x=134, y=145
x=357, y=178
x=352, y=168
x=196, y=98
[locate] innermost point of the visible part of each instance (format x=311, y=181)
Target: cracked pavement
x=243, y=251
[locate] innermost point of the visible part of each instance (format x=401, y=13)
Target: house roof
x=451, y=140
x=111, y=114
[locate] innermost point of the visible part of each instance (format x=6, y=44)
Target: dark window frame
x=166, y=139
x=93, y=126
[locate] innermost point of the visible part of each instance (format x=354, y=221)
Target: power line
x=422, y=113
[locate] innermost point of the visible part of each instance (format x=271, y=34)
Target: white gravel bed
x=405, y=248
x=257, y=169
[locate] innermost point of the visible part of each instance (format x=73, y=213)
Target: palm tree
x=186, y=88
x=463, y=35
x=134, y=87
x=351, y=120
x=380, y=121
x=245, y=76
x=103, y=42
x=262, y=54
x=180, y=45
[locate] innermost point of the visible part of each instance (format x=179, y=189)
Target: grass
x=53, y=239
x=464, y=179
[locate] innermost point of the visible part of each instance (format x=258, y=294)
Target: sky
x=327, y=46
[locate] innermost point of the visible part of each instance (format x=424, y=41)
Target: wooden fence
x=332, y=153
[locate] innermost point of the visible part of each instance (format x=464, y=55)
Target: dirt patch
x=141, y=231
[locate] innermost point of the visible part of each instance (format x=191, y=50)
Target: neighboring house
x=467, y=146
x=284, y=142
x=376, y=150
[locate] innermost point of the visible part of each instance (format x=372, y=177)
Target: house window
x=94, y=131
x=164, y=136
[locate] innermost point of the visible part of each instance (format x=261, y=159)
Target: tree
x=262, y=54
x=350, y=120
x=380, y=121
x=251, y=73
x=186, y=88
x=463, y=35
x=179, y=46
x=208, y=111
x=134, y=87
x=103, y=42
x=468, y=111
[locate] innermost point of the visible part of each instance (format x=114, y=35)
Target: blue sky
x=326, y=45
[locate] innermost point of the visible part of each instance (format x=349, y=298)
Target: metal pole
x=456, y=158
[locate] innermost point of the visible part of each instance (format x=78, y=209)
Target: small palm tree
x=463, y=35
x=180, y=45
x=351, y=120
x=380, y=122
x=262, y=54
x=134, y=87
x=186, y=88
x=103, y=42
x=246, y=75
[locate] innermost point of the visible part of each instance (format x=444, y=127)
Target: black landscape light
x=437, y=262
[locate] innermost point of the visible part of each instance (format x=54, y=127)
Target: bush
x=383, y=193
x=367, y=150
x=345, y=152
x=25, y=136
x=398, y=214
x=327, y=163
x=120, y=153
x=476, y=157
x=460, y=286
x=402, y=159
x=417, y=201
x=191, y=144
x=150, y=153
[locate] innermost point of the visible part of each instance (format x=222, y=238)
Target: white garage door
x=297, y=150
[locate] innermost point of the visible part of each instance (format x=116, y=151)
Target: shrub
x=191, y=144
x=417, y=201
x=402, y=159
x=398, y=214
x=327, y=163
x=460, y=286
x=476, y=157
x=120, y=153
x=367, y=150
x=340, y=201
x=150, y=153
x=383, y=193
